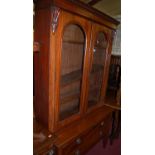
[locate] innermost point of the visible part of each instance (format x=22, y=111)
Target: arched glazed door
x=74, y=35
x=72, y=59
x=97, y=66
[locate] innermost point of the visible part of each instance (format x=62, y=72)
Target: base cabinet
x=81, y=144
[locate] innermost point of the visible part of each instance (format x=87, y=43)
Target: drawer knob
x=102, y=123
x=78, y=141
x=77, y=152
x=51, y=152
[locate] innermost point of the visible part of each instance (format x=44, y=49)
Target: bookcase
x=73, y=61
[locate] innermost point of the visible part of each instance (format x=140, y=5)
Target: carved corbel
x=55, y=17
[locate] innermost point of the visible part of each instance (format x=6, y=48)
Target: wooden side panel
x=41, y=35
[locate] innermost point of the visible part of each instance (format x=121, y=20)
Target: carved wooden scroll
x=55, y=16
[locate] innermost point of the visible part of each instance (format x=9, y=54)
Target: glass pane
x=97, y=68
x=72, y=58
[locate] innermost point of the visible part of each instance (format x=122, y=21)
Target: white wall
x=116, y=49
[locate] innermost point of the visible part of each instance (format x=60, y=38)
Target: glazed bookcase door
x=97, y=66
x=72, y=59
x=71, y=64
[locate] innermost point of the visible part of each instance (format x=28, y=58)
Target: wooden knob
x=51, y=152
x=77, y=152
x=78, y=141
x=102, y=123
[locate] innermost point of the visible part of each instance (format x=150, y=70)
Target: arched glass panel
x=72, y=57
x=97, y=69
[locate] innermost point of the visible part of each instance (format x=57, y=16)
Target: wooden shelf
x=92, y=103
x=97, y=68
x=69, y=97
x=70, y=92
x=100, y=48
x=70, y=78
x=111, y=101
x=96, y=97
x=113, y=105
x=73, y=42
x=94, y=89
x=69, y=108
x=68, y=113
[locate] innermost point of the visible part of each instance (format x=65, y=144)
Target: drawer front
x=47, y=151
x=101, y=131
x=88, y=139
x=82, y=143
x=91, y=138
x=72, y=146
x=106, y=125
x=53, y=151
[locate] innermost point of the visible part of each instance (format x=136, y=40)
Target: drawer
x=106, y=125
x=101, y=131
x=87, y=140
x=84, y=142
x=52, y=151
x=47, y=151
x=72, y=146
x=91, y=138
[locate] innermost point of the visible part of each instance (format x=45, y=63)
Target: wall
x=116, y=49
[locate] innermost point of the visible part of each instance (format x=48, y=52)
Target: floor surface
x=114, y=149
